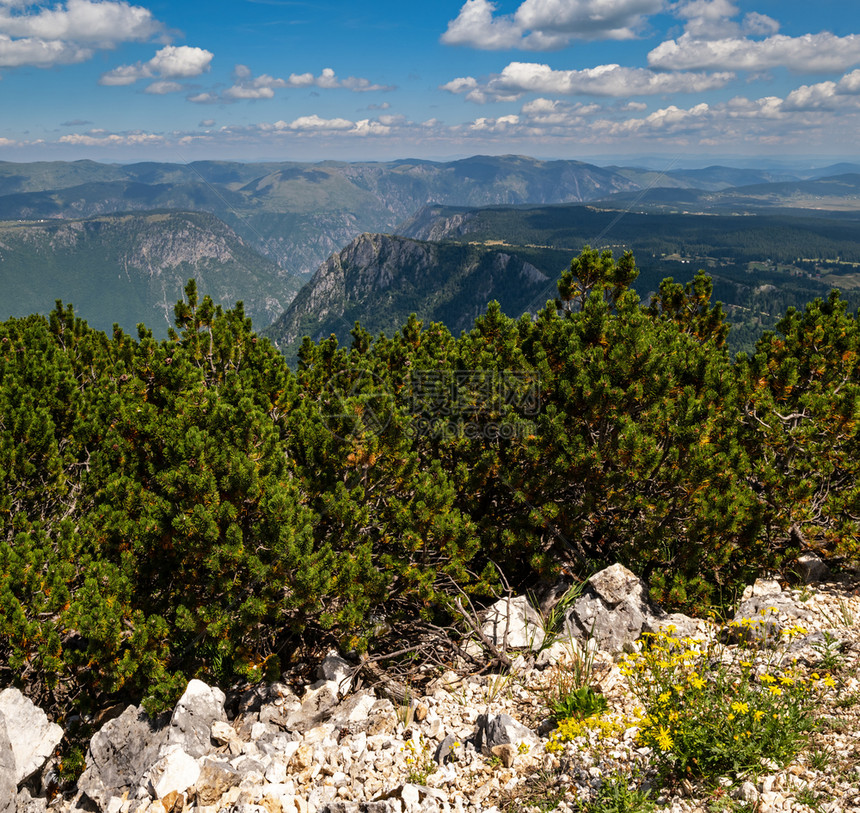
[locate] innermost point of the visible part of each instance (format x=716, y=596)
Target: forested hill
x=192, y=507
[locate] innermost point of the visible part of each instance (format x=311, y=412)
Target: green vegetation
x=615, y=795
x=192, y=507
x=578, y=703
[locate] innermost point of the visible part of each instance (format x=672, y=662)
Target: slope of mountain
x=380, y=279
x=779, y=237
x=131, y=268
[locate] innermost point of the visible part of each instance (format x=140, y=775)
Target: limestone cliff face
x=363, y=270
x=379, y=279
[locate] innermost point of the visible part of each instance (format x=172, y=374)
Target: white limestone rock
x=32, y=736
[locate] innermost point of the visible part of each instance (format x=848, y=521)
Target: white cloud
x=587, y=19
x=810, y=52
x=760, y=24
x=163, y=86
x=40, y=53
x=553, y=113
x=171, y=62
x=69, y=32
x=826, y=95
x=104, y=23
x=541, y=25
x=368, y=127
x=476, y=27
x=247, y=86
x=850, y=83
x=501, y=124
x=98, y=138
x=204, y=98
x=328, y=80
x=462, y=84
x=604, y=80
x=314, y=123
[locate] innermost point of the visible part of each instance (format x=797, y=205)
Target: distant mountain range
x=119, y=241
x=829, y=194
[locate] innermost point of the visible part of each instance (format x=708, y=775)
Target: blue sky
x=293, y=80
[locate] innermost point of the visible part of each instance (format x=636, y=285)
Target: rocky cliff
x=380, y=279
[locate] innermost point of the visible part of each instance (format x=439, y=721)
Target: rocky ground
x=468, y=743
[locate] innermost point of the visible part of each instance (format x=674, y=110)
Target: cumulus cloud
x=553, y=113
x=826, y=95
x=40, y=53
x=163, y=86
x=604, y=80
x=542, y=25
x=104, y=23
x=69, y=32
x=500, y=124
x=100, y=138
x=204, y=97
x=247, y=86
x=714, y=39
x=810, y=52
x=314, y=123
x=171, y=62
x=328, y=80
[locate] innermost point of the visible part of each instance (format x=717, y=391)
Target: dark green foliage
x=189, y=507
x=801, y=400
x=578, y=703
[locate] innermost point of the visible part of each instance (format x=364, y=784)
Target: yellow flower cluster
x=604, y=726
x=708, y=710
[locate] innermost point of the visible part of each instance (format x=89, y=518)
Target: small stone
x=749, y=792
x=304, y=757
x=506, y=752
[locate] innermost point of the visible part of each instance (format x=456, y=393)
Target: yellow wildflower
x=664, y=740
